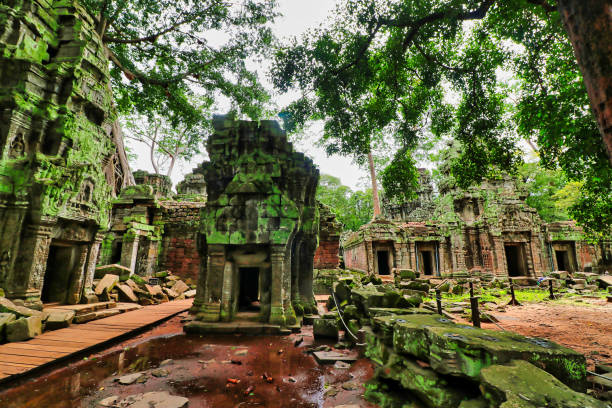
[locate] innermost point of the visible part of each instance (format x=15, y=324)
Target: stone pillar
x=129, y=250
x=27, y=278
x=229, y=283
x=277, y=259
x=306, y=266
x=213, y=289
x=90, y=270
x=78, y=276
x=290, y=318
x=199, y=300
x=499, y=253
x=370, y=258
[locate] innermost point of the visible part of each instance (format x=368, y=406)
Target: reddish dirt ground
x=200, y=369
x=586, y=329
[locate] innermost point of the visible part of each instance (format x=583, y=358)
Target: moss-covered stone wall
x=56, y=149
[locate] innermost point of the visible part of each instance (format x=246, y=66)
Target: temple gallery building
x=485, y=230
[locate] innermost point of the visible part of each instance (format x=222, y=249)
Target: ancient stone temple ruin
x=59, y=166
x=259, y=227
x=154, y=230
x=486, y=230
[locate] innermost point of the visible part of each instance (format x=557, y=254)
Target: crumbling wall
x=327, y=255
x=179, y=248
x=57, y=157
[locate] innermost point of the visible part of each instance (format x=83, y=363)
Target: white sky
x=297, y=17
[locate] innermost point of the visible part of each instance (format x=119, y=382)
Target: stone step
x=84, y=309
x=99, y=314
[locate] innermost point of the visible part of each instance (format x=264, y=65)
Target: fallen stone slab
x=171, y=294
x=110, y=402
x=112, y=269
x=154, y=290
x=159, y=399
x=604, y=281
x=25, y=328
x=106, y=284
x=59, y=319
x=330, y=357
x=190, y=293
x=180, y=287
x=434, y=390
x=521, y=384
x=6, y=306
x=126, y=293
x=130, y=378
x=464, y=351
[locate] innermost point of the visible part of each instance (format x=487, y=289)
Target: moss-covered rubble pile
x=426, y=360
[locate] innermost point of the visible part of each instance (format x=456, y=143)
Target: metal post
x=439, y=301
x=550, y=289
x=475, y=311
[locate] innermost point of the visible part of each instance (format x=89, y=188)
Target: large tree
x=481, y=72
x=163, y=51
x=352, y=208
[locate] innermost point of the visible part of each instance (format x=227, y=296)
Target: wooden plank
x=18, y=358
x=33, y=353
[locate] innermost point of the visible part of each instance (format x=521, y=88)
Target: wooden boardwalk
x=19, y=358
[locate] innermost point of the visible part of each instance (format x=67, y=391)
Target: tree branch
x=549, y=8
x=148, y=38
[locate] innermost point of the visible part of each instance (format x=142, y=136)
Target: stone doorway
x=565, y=256
x=428, y=264
x=383, y=262
x=516, y=259
x=59, y=273
x=248, y=295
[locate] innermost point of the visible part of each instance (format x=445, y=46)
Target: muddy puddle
x=271, y=370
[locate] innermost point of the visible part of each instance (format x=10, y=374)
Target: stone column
x=27, y=278
x=211, y=308
x=78, y=276
x=306, y=266
x=229, y=282
x=290, y=318
x=129, y=250
x=499, y=253
x=277, y=259
x=90, y=270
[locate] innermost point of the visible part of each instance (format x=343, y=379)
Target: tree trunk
x=171, y=166
x=589, y=26
x=152, y=157
x=128, y=178
x=375, y=200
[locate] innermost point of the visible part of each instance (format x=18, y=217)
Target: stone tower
x=259, y=228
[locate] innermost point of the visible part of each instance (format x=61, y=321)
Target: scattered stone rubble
x=123, y=287
x=427, y=360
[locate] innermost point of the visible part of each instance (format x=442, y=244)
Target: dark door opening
x=515, y=258
x=427, y=257
x=248, y=298
x=116, y=252
x=383, y=262
x=562, y=260
x=58, y=275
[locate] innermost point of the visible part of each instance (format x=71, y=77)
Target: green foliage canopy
x=164, y=51
x=402, y=67
x=352, y=208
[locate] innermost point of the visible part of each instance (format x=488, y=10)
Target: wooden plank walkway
x=49, y=347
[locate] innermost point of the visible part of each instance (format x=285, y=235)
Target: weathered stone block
x=24, y=328
x=126, y=293
x=59, y=319
x=435, y=391
x=325, y=328
x=180, y=287
x=521, y=384
x=5, y=318
x=465, y=351
x=6, y=306
x=106, y=284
